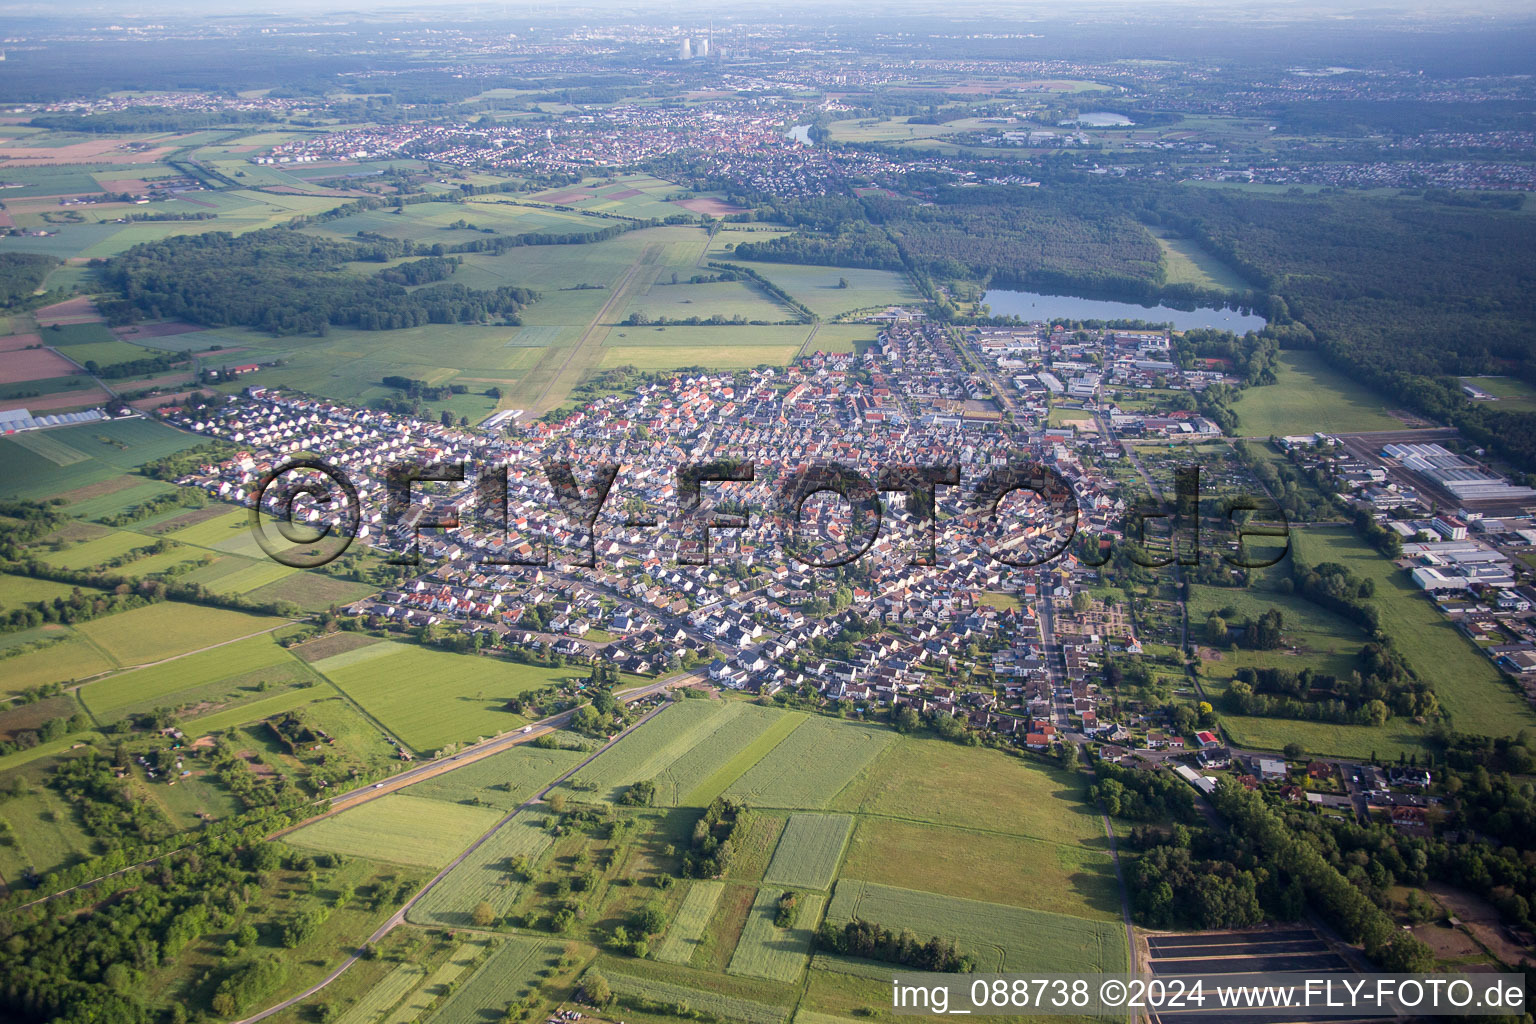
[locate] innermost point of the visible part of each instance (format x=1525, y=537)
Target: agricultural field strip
x=809, y=851
x=495, y=982
x=692, y=919
x=645, y=753
x=384, y=996
x=732, y=1008
x=1000, y=938
x=840, y=750
x=768, y=951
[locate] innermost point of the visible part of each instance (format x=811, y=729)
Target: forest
x=21, y=274
x=1401, y=294
x=285, y=282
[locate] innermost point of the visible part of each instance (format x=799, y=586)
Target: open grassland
x=1310, y=396
x=112, y=698
x=417, y=1007
x=821, y=288
x=928, y=779
x=739, y=731
x=65, y=661
x=835, y=338
x=811, y=765
x=432, y=698
x=483, y=875
x=1470, y=689
x=19, y=590
x=167, y=629
x=767, y=951
x=400, y=829
x=502, y=780
x=43, y=824
x=1062, y=878
x=809, y=851
x=1399, y=737
x=645, y=753
x=693, y=917
x=999, y=938
x=1511, y=394
x=506, y=976
x=1187, y=262
x=257, y=710
x=723, y=997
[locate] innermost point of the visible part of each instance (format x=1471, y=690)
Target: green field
x=167, y=629
x=999, y=938
x=1187, y=262
x=237, y=665
x=811, y=765
x=400, y=829
x=738, y=732
x=1511, y=394
x=1471, y=691
x=809, y=851
x=110, y=449
x=451, y=698
x=819, y=287
x=65, y=661
x=266, y=707
x=722, y=997
x=507, y=974
x=381, y=998
x=648, y=751
x=483, y=875
x=767, y=951
x=1075, y=879
x=692, y=919
x=1309, y=396
x=503, y=780
x=930, y=780
x=417, y=1006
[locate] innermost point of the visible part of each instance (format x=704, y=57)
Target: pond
x=1035, y=306
x=801, y=133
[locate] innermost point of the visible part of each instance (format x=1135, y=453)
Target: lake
x=1034, y=306
x=1102, y=119
x=801, y=133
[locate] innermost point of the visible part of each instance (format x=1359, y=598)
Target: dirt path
x=398, y=917
x=641, y=274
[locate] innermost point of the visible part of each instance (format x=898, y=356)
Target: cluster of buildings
x=740, y=138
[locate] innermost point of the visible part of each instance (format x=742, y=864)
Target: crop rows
x=809, y=850
x=999, y=938
x=483, y=876
x=736, y=732
x=767, y=951
x=692, y=919
x=811, y=765
x=381, y=998
x=503, y=977
x=723, y=1007
x=647, y=751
